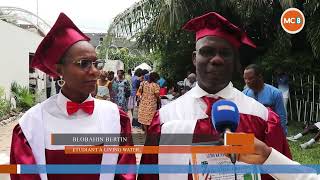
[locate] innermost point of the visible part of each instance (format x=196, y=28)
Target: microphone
x=225, y=118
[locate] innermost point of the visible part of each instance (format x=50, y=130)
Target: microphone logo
x=226, y=107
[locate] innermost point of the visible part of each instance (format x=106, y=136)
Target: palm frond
x=285, y=4
x=313, y=33
x=311, y=7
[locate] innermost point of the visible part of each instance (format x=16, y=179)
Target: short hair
x=120, y=71
x=154, y=77
x=104, y=73
x=257, y=69
x=138, y=72
x=110, y=72
x=144, y=72
x=192, y=75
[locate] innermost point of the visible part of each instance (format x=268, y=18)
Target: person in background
x=264, y=93
x=110, y=78
x=149, y=101
x=132, y=102
x=192, y=81
x=315, y=127
x=66, y=52
x=163, y=86
x=103, y=87
x=283, y=85
x=121, y=89
x=145, y=74
x=141, y=78
x=128, y=76
x=162, y=82
x=183, y=91
x=33, y=80
x=173, y=92
x=186, y=82
x=176, y=92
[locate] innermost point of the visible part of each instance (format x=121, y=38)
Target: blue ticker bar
x=170, y=169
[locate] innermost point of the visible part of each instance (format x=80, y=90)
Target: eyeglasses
x=86, y=64
x=210, y=52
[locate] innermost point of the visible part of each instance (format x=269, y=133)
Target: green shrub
x=23, y=97
x=4, y=104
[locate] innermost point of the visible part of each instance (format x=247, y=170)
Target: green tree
x=162, y=21
x=4, y=104
x=23, y=97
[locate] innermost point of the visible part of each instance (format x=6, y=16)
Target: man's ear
x=261, y=77
x=194, y=53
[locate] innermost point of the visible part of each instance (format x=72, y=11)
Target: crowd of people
x=94, y=101
x=140, y=93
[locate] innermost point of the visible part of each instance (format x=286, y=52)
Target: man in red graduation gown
x=66, y=52
x=216, y=58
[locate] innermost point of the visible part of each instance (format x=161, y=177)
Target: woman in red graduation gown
x=66, y=53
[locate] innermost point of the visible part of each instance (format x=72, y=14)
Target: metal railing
x=15, y=15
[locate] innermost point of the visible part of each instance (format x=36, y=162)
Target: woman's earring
x=61, y=82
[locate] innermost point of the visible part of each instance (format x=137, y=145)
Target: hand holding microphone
x=260, y=155
x=225, y=119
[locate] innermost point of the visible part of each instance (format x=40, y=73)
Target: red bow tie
x=73, y=107
x=209, y=101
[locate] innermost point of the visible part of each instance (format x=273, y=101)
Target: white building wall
x=113, y=65
x=15, y=45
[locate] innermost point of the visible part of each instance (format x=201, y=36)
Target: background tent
x=143, y=66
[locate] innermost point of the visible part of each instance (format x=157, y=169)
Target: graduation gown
x=190, y=109
x=31, y=137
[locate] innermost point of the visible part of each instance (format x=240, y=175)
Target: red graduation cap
x=62, y=35
x=213, y=24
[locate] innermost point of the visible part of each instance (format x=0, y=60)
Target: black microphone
x=225, y=118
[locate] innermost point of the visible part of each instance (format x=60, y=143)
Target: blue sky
x=88, y=15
